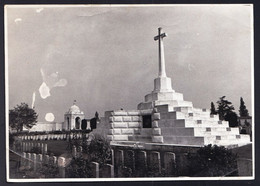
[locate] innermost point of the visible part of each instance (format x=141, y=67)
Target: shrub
x=212, y=161
x=98, y=149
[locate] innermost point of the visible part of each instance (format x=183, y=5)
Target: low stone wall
x=28, y=146
x=36, y=137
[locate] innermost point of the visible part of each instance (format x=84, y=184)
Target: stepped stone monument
x=165, y=118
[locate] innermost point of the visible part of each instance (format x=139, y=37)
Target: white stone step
x=197, y=131
x=205, y=123
x=163, y=96
x=183, y=109
x=205, y=131
x=172, y=122
x=228, y=139
x=174, y=103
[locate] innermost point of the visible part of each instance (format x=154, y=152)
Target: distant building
x=245, y=125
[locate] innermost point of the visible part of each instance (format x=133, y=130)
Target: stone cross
x=160, y=37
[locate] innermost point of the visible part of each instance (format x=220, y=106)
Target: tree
x=224, y=107
x=232, y=118
x=243, y=112
x=225, y=111
x=22, y=116
x=212, y=109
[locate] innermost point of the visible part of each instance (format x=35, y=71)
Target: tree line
x=226, y=112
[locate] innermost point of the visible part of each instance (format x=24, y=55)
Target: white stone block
x=133, y=124
x=61, y=162
x=135, y=118
x=120, y=113
x=127, y=118
x=156, y=116
x=146, y=112
x=133, y=113
x=157, y=139
x=156, y=131
x=120, y=137
x=142, y=106
x=127, y=131
x=39, y=158
x=117, y=118
x=119, y=125
x=155, y=124
x=117, y=131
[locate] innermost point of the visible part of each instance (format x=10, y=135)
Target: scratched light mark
x=39, y=10
x=17, y=20
x=33, y=99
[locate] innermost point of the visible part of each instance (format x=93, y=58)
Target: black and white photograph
x=129, y=92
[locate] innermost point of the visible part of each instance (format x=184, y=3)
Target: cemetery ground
x=55, y=147
x=99, y=153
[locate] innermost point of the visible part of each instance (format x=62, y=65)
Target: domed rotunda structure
x=73, y=118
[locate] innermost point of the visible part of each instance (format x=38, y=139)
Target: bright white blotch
x=49, y=117
x=17, y=20
x=39, y=10
x=61, y=83
x=44, y=91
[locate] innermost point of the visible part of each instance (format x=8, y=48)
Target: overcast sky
x=106, y=58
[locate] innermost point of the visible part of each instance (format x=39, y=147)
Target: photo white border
x=8, y=179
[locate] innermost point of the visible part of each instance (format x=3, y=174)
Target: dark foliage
x=98, y=149
x=212, y=161
x=49, y=170
x=212, y=109
x=36, y=150
x=22, y=116
x=232, y=118
x=79, y=168
x=11, y=139
x=243, y=112
x=225, y=111
x=93, y=123
x=243, y=131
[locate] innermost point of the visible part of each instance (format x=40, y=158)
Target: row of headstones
x=35, y=161
x=107, y=171
x=52, y=136
x=28, y=146
x=142, y=160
